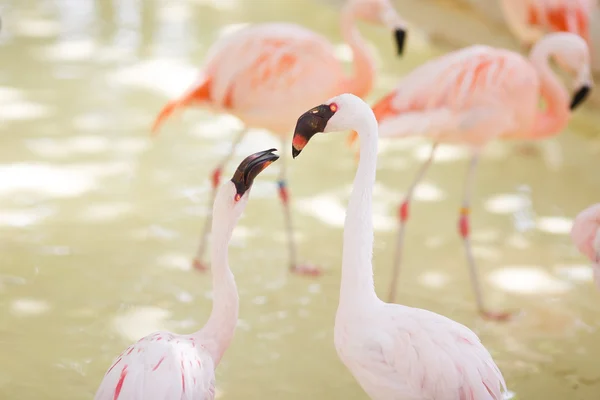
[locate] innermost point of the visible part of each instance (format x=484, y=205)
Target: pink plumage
x=477, y=94
x=266, y=74
x=585, y=234
x=529, y=20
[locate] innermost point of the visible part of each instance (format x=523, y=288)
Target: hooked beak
x=310, y=123
x=580, y=95
x=250, y=168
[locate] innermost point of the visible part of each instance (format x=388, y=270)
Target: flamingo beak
x=249, y=169
x=400, y=36
x=310, y=123
x=580, y=95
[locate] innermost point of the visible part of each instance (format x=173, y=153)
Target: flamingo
x=393, y=351
x=585, y=233
x=529, y=20
x=474, y=95
x=268, y=73
x=168, y=366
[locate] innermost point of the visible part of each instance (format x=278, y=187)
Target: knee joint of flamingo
x=463, y=222
x=216, y=177
x=403, y=211
x=283, y=191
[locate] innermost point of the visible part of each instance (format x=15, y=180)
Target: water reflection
x=99, y=220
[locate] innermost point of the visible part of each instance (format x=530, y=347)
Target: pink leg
x=464, y=230
x=287, y=215
x=215, y=181
x=403, y=217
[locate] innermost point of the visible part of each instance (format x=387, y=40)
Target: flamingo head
x=381, y=12
x=572, y=54
x=233, y=195
x=339, y=113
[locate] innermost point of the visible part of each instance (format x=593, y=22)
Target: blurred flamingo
x=267, y=74
x=586, y=236
x=477, y=94
x=164, y=365
x=530, y=20
x=393, y=351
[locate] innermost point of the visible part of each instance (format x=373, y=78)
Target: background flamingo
x=530, y=20
x=393, y=351
x=477, y=94
x=164, y=365
x=586, y=236
x=267, y=74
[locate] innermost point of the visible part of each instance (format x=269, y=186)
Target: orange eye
x=333, y=107
x=237, y=197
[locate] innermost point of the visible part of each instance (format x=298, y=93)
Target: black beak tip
x=580, y=96
x=295, y=152
x=400, y=35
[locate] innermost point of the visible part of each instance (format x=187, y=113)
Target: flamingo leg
x=289, y=227
x=197, y=263
x=464, y=230
x=403, y=217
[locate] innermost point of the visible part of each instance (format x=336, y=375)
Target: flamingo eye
x=333, y=107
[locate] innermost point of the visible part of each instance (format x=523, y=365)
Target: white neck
x=220, y=327
x=357, y=287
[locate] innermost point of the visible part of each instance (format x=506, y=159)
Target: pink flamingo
x=586, y=236
x=477, y=94
x=393, y=351
x=530, y=20
x=267, y=74
x=164, y=365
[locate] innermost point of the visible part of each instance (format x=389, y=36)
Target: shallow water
x=99, y=222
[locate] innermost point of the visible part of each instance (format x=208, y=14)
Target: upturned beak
x=310, y=123
x=250, y=168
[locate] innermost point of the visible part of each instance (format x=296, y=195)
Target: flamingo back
x=269, y=73
x=561, y=15
x=462, y=91
x=161, y=366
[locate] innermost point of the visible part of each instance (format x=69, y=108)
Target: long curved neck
x=556, y=115
x=357, y=287
x=361, y=79
x=220, y=327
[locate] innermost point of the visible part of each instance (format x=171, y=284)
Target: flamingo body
x=265, y=74
x=161, y=366
x=457, y=97
x=394, y=352
x=414, y=354
x=529, y=20
x=585, y=234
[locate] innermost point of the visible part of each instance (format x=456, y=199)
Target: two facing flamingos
x=475, y=95
x=269, y=73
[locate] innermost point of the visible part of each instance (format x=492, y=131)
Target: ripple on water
x=527, y=280
x=138, y=322
x=26, y=307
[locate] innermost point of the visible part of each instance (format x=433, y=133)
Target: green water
x=98, y=222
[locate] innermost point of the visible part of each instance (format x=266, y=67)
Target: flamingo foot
x=306, y=270
x=498, y=316
x=199, y=265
